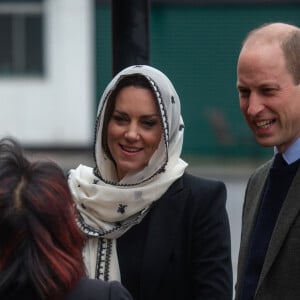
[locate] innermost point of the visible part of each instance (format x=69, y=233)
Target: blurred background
x=57, y=56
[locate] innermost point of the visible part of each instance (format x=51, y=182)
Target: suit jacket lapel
x=250, y=210
x=163, y=228
x=288, y=213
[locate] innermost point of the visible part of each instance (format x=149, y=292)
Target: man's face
x=268, y=96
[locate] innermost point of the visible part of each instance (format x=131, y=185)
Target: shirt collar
x=292, y=153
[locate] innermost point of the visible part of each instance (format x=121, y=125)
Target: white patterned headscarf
x=109, y=207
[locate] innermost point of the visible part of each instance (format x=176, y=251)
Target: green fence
x=197, y=47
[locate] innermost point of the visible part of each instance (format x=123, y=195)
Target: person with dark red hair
x=40, y=242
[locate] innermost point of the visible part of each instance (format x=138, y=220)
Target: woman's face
x=134, y=130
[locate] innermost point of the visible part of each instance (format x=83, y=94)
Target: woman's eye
x=118, y=118
x=150, y=123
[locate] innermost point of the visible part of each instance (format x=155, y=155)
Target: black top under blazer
x=182, y=248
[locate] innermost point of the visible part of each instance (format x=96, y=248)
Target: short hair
x=40, y=242
x=289, y=43
x=291, y=50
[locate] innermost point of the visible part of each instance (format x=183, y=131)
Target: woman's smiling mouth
x=130, y=149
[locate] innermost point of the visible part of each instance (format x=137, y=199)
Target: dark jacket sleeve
x=211, y=250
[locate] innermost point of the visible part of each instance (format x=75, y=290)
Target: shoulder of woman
x=198, y=182
x=205, y=193
x=119, y=292
x=93, y=289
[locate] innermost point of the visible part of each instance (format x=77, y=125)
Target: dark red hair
x=40, y=242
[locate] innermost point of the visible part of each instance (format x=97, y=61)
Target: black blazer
x=181, y=249
x=93, y=289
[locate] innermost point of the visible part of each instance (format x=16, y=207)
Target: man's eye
x=244, y=93
x=268, y=91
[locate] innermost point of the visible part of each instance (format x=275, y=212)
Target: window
x=21, y=38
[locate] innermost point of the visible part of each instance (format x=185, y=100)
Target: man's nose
x=255, y=105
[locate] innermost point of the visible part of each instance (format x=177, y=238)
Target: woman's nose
x=132, y=133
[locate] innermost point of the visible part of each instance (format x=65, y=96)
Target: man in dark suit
x=268, y=81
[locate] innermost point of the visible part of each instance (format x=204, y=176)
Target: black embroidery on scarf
x=121, y=208
x=97, y=125
x=92, y=232
x=104, y=251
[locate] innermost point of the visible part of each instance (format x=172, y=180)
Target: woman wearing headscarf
x=161, y=232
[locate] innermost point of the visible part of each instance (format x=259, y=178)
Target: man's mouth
x=264, y=123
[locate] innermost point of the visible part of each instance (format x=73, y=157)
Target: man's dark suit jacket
x=280, y=273
x=181, y=250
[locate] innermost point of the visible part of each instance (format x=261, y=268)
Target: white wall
x=57, y=109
